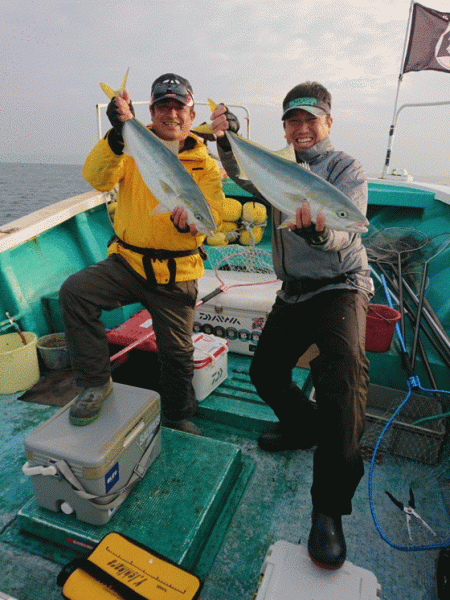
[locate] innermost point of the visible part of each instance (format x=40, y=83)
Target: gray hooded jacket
x=338, y=262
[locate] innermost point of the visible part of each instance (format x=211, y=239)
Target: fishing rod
x=423, y=355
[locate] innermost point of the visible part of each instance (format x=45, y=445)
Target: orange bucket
x=380, y=326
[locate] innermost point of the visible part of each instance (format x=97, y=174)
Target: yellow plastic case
x=119, y=568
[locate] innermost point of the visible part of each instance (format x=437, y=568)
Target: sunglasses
x=174, y=88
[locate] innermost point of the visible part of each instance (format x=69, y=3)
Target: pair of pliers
x=410, y=512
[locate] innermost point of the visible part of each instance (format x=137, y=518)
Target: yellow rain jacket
x=132, y=221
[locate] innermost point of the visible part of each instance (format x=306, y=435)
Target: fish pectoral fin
x=285, y=224
x=159, y=210
x=110, y=92
x=168, y=192
x=242, y=174
x=296, y=198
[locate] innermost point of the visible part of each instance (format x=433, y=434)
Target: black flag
x=429, y=41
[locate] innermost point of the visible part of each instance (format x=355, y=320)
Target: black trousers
x=112, y=283
x=336, y=322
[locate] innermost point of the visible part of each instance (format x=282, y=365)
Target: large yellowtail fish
x=286, y=184
x=162, y=171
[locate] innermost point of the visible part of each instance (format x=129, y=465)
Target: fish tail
x=212, y=105
x=110, y=92
x=202, y=128
x=205, y=127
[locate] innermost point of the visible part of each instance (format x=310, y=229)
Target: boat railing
x=384, y=173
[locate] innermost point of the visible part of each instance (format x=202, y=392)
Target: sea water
x=25, y=187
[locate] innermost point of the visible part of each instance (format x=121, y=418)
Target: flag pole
x=394, y=117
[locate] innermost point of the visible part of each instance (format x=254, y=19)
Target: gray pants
x=110, y=284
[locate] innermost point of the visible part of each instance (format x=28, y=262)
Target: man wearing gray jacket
x=323, y=300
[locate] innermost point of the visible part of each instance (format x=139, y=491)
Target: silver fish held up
x=286, y=184
x=163, y=172
x=166, y=177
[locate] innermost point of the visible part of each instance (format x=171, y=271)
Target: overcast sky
x=54, y=53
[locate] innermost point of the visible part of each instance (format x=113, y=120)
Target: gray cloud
x=54, y=54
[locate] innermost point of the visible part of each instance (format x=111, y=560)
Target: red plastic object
x=380, y=326
x=138, y=326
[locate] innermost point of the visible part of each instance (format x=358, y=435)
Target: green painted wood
x=173, y=510
x=236, y=403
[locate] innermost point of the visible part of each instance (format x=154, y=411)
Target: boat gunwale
x=441, y=192
x=30, y=226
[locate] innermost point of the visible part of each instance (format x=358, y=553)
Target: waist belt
x=149, y=254
x=307, y=285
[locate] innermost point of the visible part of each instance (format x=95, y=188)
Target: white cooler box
x=237, y=314
x=89, y=471
x=289, y=574
x=210, y=363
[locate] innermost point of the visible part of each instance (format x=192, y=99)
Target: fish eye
x=342, y=214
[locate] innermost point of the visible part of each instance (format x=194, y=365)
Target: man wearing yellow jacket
x=154, y=259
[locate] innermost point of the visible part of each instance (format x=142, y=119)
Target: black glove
x=113, y=115
x=233, y=125
x=313, y=237
x=114, y=136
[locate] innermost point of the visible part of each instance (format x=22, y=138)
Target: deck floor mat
x=181, y=509
x=55, y=388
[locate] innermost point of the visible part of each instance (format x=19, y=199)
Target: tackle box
x=210, y=352
x=138, y=326
x=210, y=364
x=121, y=568
x=288, y=573
x=239, y=313
x=89, y=471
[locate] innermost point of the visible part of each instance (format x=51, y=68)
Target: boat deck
x=236, y=501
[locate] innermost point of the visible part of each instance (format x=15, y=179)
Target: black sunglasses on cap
x=172, y=86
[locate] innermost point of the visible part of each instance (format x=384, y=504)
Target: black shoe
x=279, y=439
x=326, y=544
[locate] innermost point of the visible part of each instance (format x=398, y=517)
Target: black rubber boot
x=326, y=544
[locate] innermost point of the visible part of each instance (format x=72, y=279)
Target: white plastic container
x=238, y=314
x=289, y=574
x=210, y=364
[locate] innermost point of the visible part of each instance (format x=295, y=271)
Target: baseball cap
x=296, y=99
x=172, y=86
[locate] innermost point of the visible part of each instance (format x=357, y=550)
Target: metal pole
x=400, y=77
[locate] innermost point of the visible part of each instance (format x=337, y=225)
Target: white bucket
x=53, y=351
x=19, y=367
